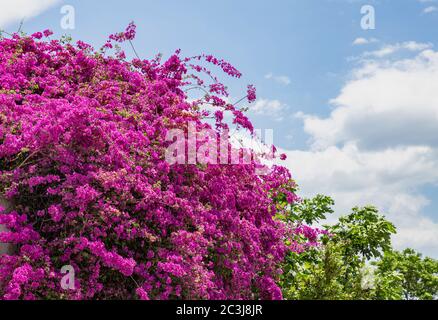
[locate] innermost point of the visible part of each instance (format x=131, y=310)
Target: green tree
x=339, y=268
x=355, y=260
x=406, y=275
x=365, y=233
x=311, y=210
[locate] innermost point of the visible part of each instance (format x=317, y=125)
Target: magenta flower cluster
x=82, y=143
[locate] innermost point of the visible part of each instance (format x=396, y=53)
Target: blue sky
x=355, y=110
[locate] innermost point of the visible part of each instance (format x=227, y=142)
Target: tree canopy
x=356, y=260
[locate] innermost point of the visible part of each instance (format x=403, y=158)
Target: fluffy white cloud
x=363, y=41
x=379, y=145
x=272, y=108
x=430, y=9
x=283, y=80
x=393, y=48
x=385, y=104
x=12, y=11
x=388, y=179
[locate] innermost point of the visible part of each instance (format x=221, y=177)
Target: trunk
x=5, y=248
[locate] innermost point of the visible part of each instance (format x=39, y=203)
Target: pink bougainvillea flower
x=82, y=144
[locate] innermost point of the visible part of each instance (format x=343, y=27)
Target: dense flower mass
x=82, y=144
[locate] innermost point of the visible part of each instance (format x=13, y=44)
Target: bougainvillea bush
x=82, y=166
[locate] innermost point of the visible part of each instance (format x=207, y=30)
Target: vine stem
x=27, y=159
x=21, y=25
x=236, y=103
x=135, y=51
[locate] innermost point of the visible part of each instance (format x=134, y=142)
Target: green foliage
x=365, y=232
x=406, y=275
x=356, y=260
x=312, y=210
x=315, y=275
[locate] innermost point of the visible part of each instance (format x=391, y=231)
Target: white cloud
x=363, y=41
x=387, y=179
x=283, y=80
x=391, y=49
x=272, y=108
x=430, y=9
x=385, y=104
x=379, y=145
x=12, y=11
